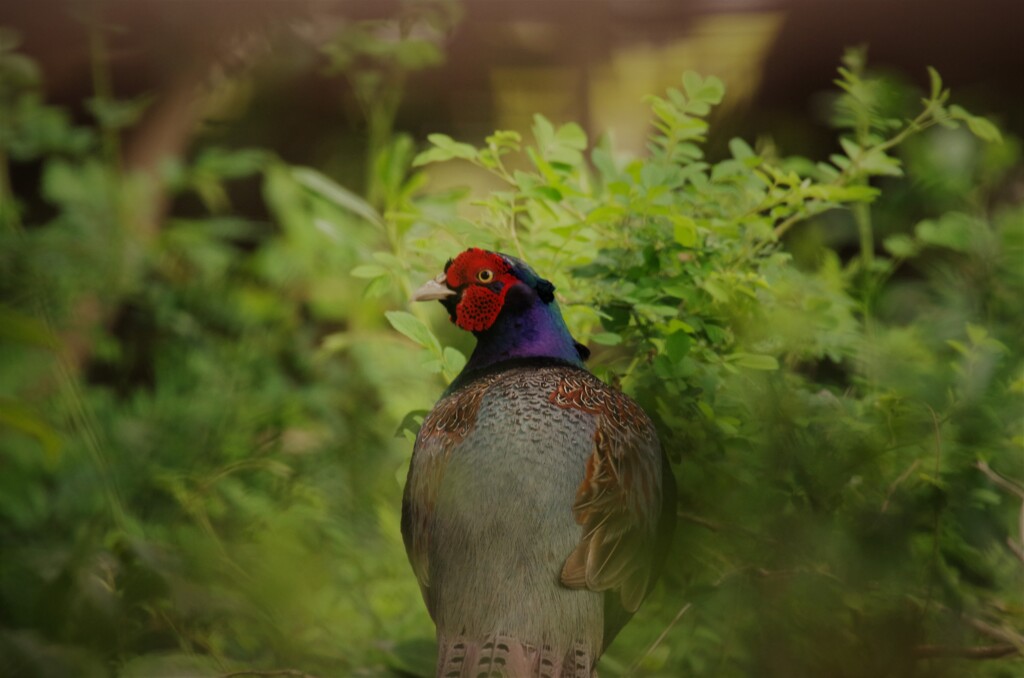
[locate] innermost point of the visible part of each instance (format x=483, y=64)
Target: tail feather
x=498, y=656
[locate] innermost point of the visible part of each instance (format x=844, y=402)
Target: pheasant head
x=511, y=310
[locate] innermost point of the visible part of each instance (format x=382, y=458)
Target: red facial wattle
x=483, y=279
x=479, y=308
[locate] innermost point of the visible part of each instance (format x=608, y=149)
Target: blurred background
x=205, y=419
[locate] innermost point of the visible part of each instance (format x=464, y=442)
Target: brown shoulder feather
x=619, y=501
x=451, y=420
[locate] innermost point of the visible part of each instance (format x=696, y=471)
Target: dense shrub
x=200, y=474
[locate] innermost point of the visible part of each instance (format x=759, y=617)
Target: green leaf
x=872, y=160
x=985, y=496
x=75, y=185
x=850, y=147
x=979, y=126
x=456, y=148
x=716, y=290
x=368, y=271
x=561, y=149
x=606, y=338
x=411, y=423
x=543, y=131
x=678, y=345
x=445, y=148
x=15, y=415
x=231, y=164
x=740, y=149
x=754, y=361
x=378, y=287
x=935, y=81
x=433, y=365
x=977, y=334
x=953, y=231
x=415, y=329
x=388, y=259
x=708, y=90
x=116, y=114
x=958, y=347
x=984, y=129
x=901, y=246
x=877, y=162
x=337, y=194
x=546, y=193
x=572, y=135
x=431, y=155
x=684, y=230
x=20, y=328
x=505, y=139
x=834, y=193
x=454, y=359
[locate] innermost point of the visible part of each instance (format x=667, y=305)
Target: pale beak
x=434, y=289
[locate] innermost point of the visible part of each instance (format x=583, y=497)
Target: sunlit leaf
x=454, y=359
x=754, y=362
x=413, y=328
x=15, y=415
x=368, y=271
x=336, y=193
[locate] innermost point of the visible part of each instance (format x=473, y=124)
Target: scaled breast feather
x=445, y=426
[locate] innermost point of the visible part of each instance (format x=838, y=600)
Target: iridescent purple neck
x=526, y=328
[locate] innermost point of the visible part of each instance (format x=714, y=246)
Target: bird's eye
x=485, y=276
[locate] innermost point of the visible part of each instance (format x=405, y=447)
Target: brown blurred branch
x=679, y=615
x=764, y=573
x=979, y=652
x=899, y=481
x=703, y=522
x=1005, y=483
x=716, y=526
x=1002, y=634
x=1015, y=489
x=292, y=673
x=937, y=519
x=1012, y=545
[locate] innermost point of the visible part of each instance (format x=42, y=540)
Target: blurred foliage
x=200, y=472
x=844, y=414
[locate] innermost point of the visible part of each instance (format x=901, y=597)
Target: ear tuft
x=545, y=290
x=582, y=350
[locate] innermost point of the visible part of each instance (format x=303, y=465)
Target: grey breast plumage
x=533, y=495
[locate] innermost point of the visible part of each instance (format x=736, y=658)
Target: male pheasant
x=539, y=504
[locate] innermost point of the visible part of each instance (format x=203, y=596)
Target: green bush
x=200, y=472
x=843, y=423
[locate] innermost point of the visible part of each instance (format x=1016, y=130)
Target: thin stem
x=937, y=519
x=979, y=652
x=896, y=483
x=654, y=646
x=512, y=228
x=103, y=91
x=8, y=208
x=1008, y=485
x=922, y=122
x=862, y=217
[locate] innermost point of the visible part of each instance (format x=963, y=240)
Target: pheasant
x=539, y=505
